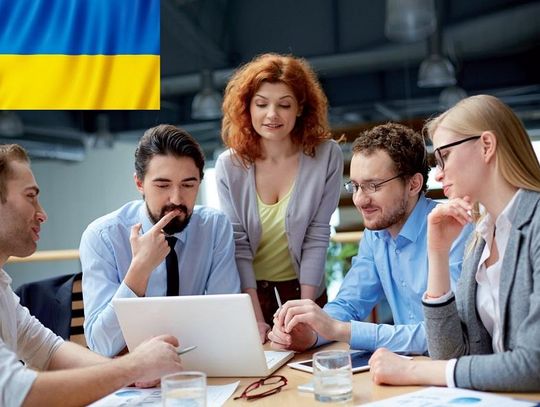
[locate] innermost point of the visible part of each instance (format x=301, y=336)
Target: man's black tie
x=173, y=280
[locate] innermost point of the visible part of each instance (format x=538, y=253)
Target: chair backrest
x=49, y=300
x=76, y=330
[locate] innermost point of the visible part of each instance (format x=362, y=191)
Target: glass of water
x=184, y=389
x=332, y=376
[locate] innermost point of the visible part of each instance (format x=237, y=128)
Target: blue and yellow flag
x=79, y=54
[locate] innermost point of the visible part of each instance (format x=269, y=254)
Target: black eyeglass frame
x=281, y=382
x=439, y=159
x=368, y=188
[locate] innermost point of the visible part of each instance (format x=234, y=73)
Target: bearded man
x=160, y=245
x=55, y=372
x=388, y=179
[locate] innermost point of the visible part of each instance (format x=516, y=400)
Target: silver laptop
x=223, y=327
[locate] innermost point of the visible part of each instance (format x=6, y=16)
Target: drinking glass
x=332, y=376
x=184, y=389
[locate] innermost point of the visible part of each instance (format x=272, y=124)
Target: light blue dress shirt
x=205, y=251
x=396, y=269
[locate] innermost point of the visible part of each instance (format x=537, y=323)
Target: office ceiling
x=493, y=44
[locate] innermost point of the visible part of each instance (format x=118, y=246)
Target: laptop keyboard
x=274, y=357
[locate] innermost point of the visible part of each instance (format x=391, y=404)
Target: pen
x=278, y=299
x=185, y=350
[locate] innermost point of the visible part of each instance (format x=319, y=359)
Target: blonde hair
x=516, y=158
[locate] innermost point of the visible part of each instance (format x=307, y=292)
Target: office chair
x=76, y=329
x=58, y=304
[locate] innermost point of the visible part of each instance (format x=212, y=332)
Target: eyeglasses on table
x=263, y=388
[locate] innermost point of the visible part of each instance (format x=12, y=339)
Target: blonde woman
x=279, y=181
x=486, y=336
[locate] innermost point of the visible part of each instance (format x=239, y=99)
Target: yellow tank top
x=272, y=261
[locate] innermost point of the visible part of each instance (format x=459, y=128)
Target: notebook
x=223, y=327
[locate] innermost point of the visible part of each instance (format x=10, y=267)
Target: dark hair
x=405, y=147
x=166, y=139
x=311, y=127
x=8, y=153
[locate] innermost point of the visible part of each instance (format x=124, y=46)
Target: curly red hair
x=311, y=127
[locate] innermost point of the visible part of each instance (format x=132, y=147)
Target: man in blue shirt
x=55, y=372
x=123, y=253
x=388, y=174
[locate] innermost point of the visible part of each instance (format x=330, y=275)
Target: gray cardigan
x=454, y=329
x=314, y=198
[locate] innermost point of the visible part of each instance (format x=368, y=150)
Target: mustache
x=171, y=207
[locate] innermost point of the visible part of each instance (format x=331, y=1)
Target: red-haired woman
x=279, y=181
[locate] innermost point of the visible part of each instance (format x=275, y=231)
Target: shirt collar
x=147, y=223
x=506, y=217
x=5, y=279
x=413, y=225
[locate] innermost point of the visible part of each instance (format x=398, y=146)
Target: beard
x=397, y=216
x=176, y=224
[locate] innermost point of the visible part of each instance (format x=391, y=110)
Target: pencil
x=185, y=350
x=278, y=299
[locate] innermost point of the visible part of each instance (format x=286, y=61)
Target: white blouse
x=488, y=278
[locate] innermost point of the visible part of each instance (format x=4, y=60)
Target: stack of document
x=216, y=396
x=443, y=396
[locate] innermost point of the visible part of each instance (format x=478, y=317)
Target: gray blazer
x=454, y=329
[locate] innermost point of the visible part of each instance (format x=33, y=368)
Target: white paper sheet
x=443, y=396
x=216, y=396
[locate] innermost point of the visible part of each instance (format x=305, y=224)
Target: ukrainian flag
x=79, y=54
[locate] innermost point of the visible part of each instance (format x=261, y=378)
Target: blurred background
x=378, y=61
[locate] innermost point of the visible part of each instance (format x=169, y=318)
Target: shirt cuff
x=439, y=300
x=124, y=292
x=363, y=335
x=320, y=341
x=449, y=371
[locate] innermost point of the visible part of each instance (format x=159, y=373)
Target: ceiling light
x=10, y=124
x=436, y=71
x=207, y=102
x=103, y=138
x=450, y=96
x=410, y=20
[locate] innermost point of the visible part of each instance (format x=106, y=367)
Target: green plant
x=338, y=261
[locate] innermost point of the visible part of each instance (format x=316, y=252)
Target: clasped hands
x=298, y=323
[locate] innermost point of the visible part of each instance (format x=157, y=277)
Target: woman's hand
x=388, y=368
x=446, y=221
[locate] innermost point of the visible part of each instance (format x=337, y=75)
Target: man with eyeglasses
x=388, y=179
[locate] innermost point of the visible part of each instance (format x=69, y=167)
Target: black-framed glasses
x=263, y=387
x=368, y=188
x=440, y=159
